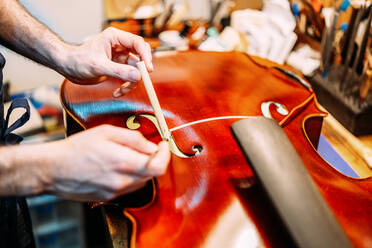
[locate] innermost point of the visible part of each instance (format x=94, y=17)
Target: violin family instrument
x=210, y=196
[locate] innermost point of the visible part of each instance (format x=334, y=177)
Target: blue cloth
x=326, y=150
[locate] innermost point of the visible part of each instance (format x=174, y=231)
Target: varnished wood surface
x=200, y=195
x=118, y=227
x=352, y=149
x=366, y=140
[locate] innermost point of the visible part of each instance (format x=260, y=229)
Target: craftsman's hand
x=106, y=54
x=103, y=163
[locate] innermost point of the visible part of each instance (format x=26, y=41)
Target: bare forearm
x=22, y=33
x=98, y=164
x=23, y=170
x=79, y=63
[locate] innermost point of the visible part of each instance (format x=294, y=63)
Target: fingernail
x=134, y=76
x=124, y=85
x=117, y=93
x=134, y=57
x=151, y=66
x=164, y=143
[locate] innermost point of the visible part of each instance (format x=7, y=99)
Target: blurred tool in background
x=268, y=29
x=309, y=18
x=356, y=52
x=328, y=39
x=343, y=82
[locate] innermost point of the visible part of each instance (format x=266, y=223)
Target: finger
x=121, y=71
x=131, y=163
x=129, y=138
x=133, y=59
x=151, y=166
x=148, y=61
x=143, y=49
x=137, y=44
x=128, y=162
x=124, y=88
x=120, y=58
x=158, y=163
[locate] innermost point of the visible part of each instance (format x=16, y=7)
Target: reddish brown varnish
x=190, y=199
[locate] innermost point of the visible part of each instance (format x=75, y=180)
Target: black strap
x=6, y=135
x=15, y=221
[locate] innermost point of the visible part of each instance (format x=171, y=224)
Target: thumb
x=121, y=71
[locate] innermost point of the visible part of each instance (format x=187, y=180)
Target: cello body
x=209, y=196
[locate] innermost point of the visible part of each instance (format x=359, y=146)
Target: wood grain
x=355, y=151
x=199, y=196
